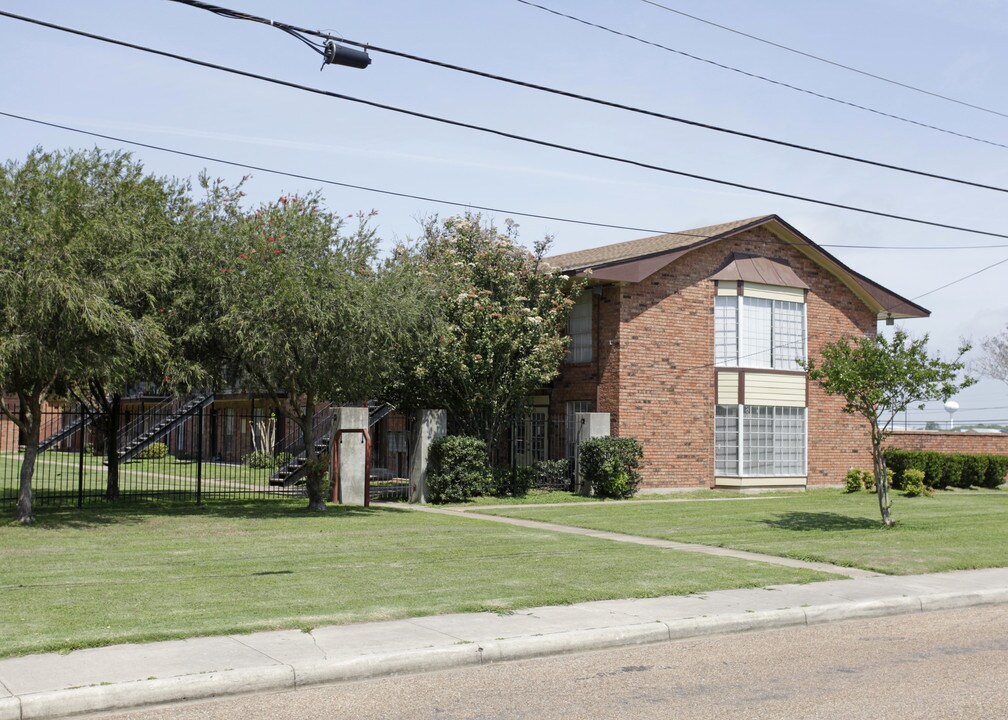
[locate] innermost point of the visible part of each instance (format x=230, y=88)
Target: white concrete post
x=586, y=426
x=350, y=449
x=428, y=425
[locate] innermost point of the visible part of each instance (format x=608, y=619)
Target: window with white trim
x=758, y=332
x=579, y=327
x=726, y=331
x=772, y=441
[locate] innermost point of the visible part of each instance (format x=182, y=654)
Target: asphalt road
x=937, y=665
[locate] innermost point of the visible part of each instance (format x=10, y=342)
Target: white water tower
x=950, y=407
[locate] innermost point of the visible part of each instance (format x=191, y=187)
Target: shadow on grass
x=805, y=521
x=135, y=511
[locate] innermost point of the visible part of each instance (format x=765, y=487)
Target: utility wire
x=820, y=58
x=508, y=135
x=299, y=31
x=454, y=203
x=964, y=277
x=756, y=76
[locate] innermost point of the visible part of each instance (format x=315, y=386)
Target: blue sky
x=954, y=48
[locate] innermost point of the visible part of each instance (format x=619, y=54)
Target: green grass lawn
x=123, y=574
x=950, y=531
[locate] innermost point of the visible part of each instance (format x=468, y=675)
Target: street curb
x=103, y=698
x=280, y=677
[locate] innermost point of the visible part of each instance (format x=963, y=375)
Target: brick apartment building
x=691, y=342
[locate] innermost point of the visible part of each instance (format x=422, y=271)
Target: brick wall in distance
x=950, y=442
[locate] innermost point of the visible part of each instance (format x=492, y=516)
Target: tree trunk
x=314, y=470
x=33, y=423
x=881, y=481
x=112, y=448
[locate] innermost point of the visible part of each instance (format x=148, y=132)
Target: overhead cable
x=820, y=58
x=442, y=201
x=300, y=31
x=509, y=135
x=762, y=78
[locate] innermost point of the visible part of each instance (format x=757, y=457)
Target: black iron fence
x=200, y=450
x=537, y=451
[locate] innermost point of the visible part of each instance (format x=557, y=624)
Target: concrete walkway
x=652, y=542
x=123, y=676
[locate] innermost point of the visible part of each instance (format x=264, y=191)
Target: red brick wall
x=950, y=442
x=658, y=377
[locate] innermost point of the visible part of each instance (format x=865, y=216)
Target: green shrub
x=952, y=470
x=856, y=480
x=508, y=481
x=262, y=460
x=154, y=451
x=458, y=469
x=551, y=474
x=609, y=465
x=974, y=470
x=997, y=468
x=913, y=483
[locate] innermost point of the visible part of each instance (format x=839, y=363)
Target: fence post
x=199, y=457
x=428, y=425
x=80, y=460
x=586, y=426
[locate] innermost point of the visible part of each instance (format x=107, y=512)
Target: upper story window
x=758, y=332
x=579, y=327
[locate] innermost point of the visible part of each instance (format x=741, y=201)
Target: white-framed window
x=726, y=331
x=760, y=440
x=579, y=327
x=758, y=332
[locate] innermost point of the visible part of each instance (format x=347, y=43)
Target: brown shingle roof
x=634, y=260
x=634, y=249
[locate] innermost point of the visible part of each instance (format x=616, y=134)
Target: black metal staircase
x=64, y=432
x=292, y=471
x=161, y=420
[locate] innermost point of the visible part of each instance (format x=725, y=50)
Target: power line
x=820, y=58
x=964, y=277
x=442, y=201
x=756, y=76
x=508, y=135
x=299, y=31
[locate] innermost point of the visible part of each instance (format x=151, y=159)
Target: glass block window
x=726, y=437
x=789, y=441
x=726, y=331
x=757, y=440
x=757, y=336
x=788, y=334
x=772, y=441
x=579, y=327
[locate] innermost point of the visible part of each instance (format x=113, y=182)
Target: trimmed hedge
x=610, y=465
x=458, y=469
x=942, y=470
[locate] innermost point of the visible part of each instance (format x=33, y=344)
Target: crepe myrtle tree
x=878, y=378
x=82, y=241
x=308, y=312
x=504, y=312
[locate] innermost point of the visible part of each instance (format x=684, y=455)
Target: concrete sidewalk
x=125, y=676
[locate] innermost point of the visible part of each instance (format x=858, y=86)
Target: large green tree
x=310, y=312
x=504, y=312
x=878, y=378
x=83, y=237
